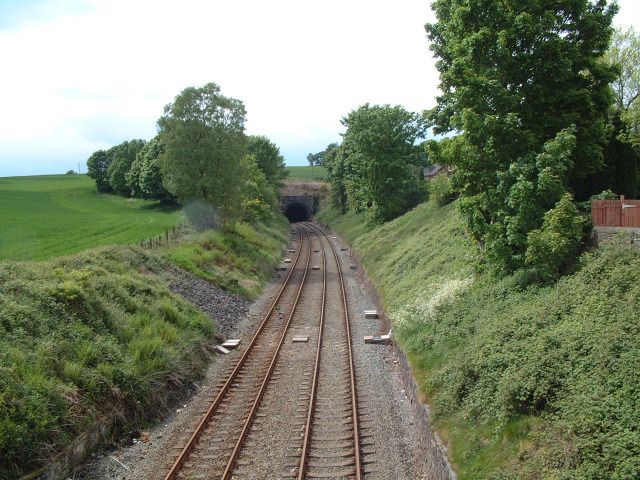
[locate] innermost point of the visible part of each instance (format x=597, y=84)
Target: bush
x=441, y=190
x=552, y=248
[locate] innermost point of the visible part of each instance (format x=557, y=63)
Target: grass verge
x=524, y=382
x=98, y=336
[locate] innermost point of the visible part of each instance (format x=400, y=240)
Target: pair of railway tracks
x=330, y=444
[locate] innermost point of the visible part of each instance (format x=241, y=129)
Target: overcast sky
x=76, y=76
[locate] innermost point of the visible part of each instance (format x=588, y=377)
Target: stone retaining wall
x=602, y=235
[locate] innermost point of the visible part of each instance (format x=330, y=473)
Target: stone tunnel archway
x=297, y=212
x=299, y=208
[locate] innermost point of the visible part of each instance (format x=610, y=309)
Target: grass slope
x=98, y=337
x=46, y=216
x=524, y=382
x=307, y=173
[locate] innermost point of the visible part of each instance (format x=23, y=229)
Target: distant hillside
x=309, y=173
x=524, y=382
x=47, y=216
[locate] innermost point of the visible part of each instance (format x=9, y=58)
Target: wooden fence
x=616, y=213
x=162, y=239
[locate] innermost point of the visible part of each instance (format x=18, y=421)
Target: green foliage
x=318, y=158
x=624, y=53
x=371, y=171
x=523, y=383
x=53, y=215
x=239, y=259
x=97, y=168
x=203, y=136
x=144, y=177
x=268, y=158
x=441, y=190
x=519, y=78
x=81, y=338
x=122, y=157
x=259, y=196
x=554, y=246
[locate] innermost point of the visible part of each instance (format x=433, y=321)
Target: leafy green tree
x=319, y=157
x=624, y=53
x=97, y=168
x=378, y=152
x=151, y=181
x=259, y=197
x=525, y=84
x=122, y=156
x=336, y=164
x=132, y=177
x=268, y=158
x=203, y=136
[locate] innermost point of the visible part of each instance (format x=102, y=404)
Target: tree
x=203, y=136
x=319, y=157
x=525, y=84
x=268, y=159
x=378, y=151
x=259, y=197
x=151, y=181
x=335, y=162
x=625, y=54
x=122, y=157
x=97, y=168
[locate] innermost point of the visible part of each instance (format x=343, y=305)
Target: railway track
x=330, y=446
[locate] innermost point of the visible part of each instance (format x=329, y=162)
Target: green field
x=308, y=173
x=47, y=216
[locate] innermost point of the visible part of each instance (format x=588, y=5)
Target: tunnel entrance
x=297, y=212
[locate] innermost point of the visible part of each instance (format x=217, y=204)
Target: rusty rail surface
x=247, y=424
x=184, y=454
x=306, y=445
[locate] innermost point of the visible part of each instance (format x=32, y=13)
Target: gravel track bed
x=227, y=309
x=386, y=411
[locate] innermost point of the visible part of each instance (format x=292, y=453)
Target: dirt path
x=393, y=448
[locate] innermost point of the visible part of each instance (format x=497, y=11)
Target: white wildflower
x=429, y=300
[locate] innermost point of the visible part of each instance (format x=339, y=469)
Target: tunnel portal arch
x=297, y=212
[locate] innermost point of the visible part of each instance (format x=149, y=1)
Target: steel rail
x=177, y=465
x=352, y=375
x=302, y=468
x=254, y=407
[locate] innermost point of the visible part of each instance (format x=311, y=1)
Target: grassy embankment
x=47, y=216
x=307, y=173
x=524, y=382
x=98, y=338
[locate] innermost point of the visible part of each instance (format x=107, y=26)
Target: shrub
x=441, y=190
x=552, y=248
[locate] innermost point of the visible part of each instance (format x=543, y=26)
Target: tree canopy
x=372, y=169
x=203, y=136
x=122, y=157
x=268, y=159
x=97, y=167
x=525, y=84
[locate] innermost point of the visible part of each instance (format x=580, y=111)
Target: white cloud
x=99, y=72
x=90, y=79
